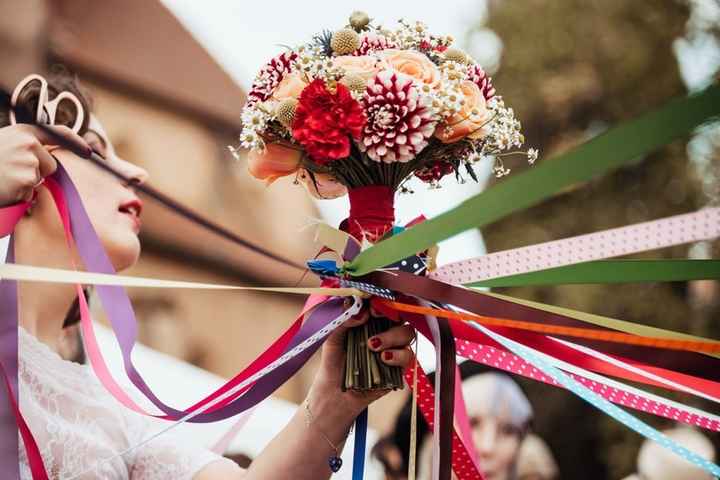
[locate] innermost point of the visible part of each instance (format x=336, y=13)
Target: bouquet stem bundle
x=364, y=370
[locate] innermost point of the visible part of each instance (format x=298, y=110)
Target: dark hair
x=59, y=80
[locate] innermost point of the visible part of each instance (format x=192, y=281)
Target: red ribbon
x=372, y=212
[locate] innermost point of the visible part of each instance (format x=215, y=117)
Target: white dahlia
x=399, y=118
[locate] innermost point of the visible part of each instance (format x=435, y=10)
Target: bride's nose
x=135, y=175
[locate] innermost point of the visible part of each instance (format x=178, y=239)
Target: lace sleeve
x=167, y=457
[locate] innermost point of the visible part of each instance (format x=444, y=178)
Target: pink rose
x=275, y=162
x=365, y=66
x=471, y=118
x=412, y=63
x=290, y=87
x=325, y=186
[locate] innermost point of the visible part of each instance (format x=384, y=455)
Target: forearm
x=300, y=451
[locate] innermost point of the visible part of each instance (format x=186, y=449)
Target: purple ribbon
x=9, y=461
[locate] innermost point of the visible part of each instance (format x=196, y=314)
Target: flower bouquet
x=359, y=111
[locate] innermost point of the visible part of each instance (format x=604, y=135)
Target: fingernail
x=375, y=343
x=387, y=355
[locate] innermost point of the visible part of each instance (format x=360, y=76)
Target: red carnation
x=324, y=121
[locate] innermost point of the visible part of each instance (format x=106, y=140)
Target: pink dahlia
x=478, y=76
x=399, y=121
x=373, y=42
x=270, y=77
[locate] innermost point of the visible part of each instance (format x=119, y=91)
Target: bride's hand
x=326, y=391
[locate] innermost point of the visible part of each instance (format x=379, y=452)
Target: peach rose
x=365, y=66
x=414, y=64
x=275, y=162
x=325, y=186
x=290, y=87
x=469, y=121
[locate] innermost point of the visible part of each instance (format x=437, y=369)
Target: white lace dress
x=76, y=423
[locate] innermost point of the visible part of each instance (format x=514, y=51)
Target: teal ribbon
x=599, y=402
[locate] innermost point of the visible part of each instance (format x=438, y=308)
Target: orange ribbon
x=593, y=334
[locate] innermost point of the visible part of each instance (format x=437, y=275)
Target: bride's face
x=113, y=207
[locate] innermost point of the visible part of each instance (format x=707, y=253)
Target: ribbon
x=601, y=403
x=10, y=417
x=708, y=346
x=361, y=424
x=676, y=230
x=612, y=271
x=31, y=273
x=611, y=390
x=609, y=150
x=592, y=360
x=462, y=463
x=372, y=211
x=598, y=320
x=689, y=363
x=10, y=216
x=296, y=356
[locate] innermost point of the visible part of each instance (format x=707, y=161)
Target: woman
x=75, y=421
x=500, y=416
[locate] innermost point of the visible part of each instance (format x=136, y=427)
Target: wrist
x=330, y=405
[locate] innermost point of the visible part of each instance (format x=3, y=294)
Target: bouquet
x=361, y=110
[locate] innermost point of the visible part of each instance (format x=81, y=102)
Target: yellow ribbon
x=30, y=273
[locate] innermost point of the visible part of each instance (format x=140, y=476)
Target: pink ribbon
x=691, y=227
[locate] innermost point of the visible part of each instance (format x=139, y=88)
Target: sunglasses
x=35, y=88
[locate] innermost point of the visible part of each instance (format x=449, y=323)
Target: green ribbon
x=612, y=271
x=607, y=151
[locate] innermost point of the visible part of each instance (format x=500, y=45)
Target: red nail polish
x=387, y=355
x=375, y=343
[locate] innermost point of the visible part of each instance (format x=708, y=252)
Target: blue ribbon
x=361, y=423
x=323, y=268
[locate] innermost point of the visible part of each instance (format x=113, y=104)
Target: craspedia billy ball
x=285, y=111
x=359, y=21
x=345, y=41
x=354, y=83
x=456, y=55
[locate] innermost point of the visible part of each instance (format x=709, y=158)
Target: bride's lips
x=133, y=209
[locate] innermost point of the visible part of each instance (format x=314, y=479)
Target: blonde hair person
x=655, y=462
x=500, y=416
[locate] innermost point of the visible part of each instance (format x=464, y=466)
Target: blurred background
x=168, y=80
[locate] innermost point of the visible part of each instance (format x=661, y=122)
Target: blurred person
x=500, y=416
x=76, y=422
x=655, y=462
x=535, y=460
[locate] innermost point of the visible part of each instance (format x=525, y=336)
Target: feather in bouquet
x=361, y=110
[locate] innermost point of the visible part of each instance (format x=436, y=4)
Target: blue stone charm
x=335, y=463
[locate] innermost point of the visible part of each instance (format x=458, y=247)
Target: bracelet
x=334, y=461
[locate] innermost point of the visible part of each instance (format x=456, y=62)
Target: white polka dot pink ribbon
x=677, y=230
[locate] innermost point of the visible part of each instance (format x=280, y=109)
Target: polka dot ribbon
x=462, y=463
x=701, y=225
x=613, y=391
x=599, y=402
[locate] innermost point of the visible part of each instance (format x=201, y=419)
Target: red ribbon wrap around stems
x=372, y=212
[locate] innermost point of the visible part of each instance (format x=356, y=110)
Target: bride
x=75, y=421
